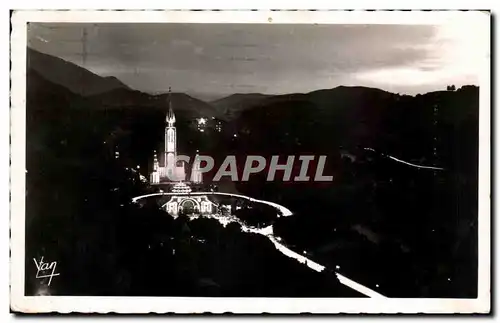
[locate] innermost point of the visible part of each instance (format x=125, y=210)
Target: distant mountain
x=75, y=78
x=231, y=106
x=205, y=96
x=181, y=102
x=43, y=94
x=410, y=127
x=49, y=98
x=56, y=78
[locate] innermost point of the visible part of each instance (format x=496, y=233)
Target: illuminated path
x=268, y=232
x=404, y=162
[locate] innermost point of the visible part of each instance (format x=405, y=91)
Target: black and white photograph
x=334, y=162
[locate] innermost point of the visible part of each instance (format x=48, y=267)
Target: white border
x=19, y=302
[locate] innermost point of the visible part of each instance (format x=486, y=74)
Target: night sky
x=213, y=60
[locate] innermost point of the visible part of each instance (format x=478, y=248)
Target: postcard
x=250, y=161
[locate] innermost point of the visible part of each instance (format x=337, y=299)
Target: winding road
x=404, y=162
x=268, y=232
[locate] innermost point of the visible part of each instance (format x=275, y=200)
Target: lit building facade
x=167, y=169
x=189, y=204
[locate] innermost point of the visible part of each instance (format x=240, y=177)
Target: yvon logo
x=45, y=269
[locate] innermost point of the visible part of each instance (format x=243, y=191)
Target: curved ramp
x=284, y=211
x=268, y=233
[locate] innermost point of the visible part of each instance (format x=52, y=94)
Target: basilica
x=168, y=171
x=166, y=168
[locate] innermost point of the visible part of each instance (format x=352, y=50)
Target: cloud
x=223, y=58
x=454, y=55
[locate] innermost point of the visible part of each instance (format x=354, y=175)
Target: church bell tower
x=170, y=139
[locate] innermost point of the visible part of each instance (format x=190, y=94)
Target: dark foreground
x=110, y=247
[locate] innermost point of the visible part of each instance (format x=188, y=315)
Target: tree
x=450, y=88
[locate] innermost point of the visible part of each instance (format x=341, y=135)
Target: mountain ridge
x=77, y=79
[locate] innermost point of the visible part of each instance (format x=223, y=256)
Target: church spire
x=170, y=114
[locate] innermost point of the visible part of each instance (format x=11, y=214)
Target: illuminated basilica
x=169, y=171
